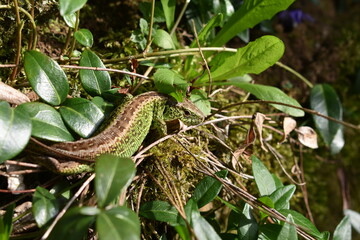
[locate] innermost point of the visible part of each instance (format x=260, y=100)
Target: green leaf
x=269, y=231
x=199, y=97
x=167, y=81
x=183, y=232
x=281, y=196
x=6, y=223
x=248, y=226
x=46, y=122
x=264, y=180
x=70, y=6
x=45, y=206
x=15, y=129
x=267, y=201
x=324, y=100
x=302, y=221
x=288, y=231
x=268, y=93
x=169, y=12
x=255, y=57
x=94, y=82
x=354, y=219
x=70, y=19
x=118, y=223
x=81, y=115
x=163, y=39
x=46, y=77
x=206, y=30
x=84, y=37
x=207, y=189
x=202, y=229
x=113, y=175
x=343, y=230
x=160, y=211
x=74, y=224
x=247, y=16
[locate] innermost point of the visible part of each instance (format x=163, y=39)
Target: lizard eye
x=186, y=112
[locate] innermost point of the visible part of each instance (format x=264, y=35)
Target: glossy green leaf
x=302, y=221
x=15, y=129
x=264, y=180
x=84, y=37
x=343, y=230
x=45, y=206
x=94, y=82
x=6, y=223
x=113, y=175
x=163, y=39
x=183, y=232
x=267, y=201
x=207, y=189
x=324, y=100
x=46, y=77
x=167, y=81
x=70, y=19
x=169, y=12
x=81, y=115
x=202, y=229
x=199, y=97
x=269, y=231
x=247, y=16
x=46, y=122
x=118, y=223
x=288, y=231
x=160, y=211
x=354, y=219
x=281, y=196
x=70, y=6
x=255, y=57
x=248, y=226
x=74, y=224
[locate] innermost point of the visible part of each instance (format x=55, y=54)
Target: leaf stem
x=287, y=68
x=149, y=40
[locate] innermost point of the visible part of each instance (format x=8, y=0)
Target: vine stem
x=20, y=26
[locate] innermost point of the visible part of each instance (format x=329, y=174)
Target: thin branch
x=149, y=40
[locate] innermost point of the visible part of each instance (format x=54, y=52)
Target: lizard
x=121, y=135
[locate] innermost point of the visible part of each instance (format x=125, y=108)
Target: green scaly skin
x=122, y=135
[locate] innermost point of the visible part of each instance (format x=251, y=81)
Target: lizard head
x=185, y=111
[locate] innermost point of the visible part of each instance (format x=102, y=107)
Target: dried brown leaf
x=289, y=124
x=307, y=136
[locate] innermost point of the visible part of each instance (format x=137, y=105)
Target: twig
x=149, y=40
x=20, y=26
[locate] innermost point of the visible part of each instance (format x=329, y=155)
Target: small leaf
x=206, y=30
x=255, y=57
x=6, y=224
x=324, y=100
x=343, y=230
x=118, y=223
x=169, y=12
x=282, y=196
x=354, y=219
x=248, y=226
x=15, y=129
x=207, y=189
x=288, y=231
x=84, y=37
x=81, y=115
x=289, y=124
x=45, y=206
x=163, y=39
x=307, y=136
x=269, y=231
x=160, y=211
x=46, y=77
x=74, y=224
x=167, y=81
x=46, y=122
x=94, y=82
x=70, y=6
x=113, y=175
x=70, y=19
x=202, y=229
x=199, y=97
x=264, y=180
x=305, y=223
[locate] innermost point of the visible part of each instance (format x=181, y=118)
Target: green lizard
x=122, y=135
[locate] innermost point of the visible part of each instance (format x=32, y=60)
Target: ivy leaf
x=84, y=37
x=94, y=82
x=263, y=178
x=160, y=211
x=46, y=77
x=15, y=129
x=81, y=115
x=45, y=206
x=113, y=174
x=46, y=122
